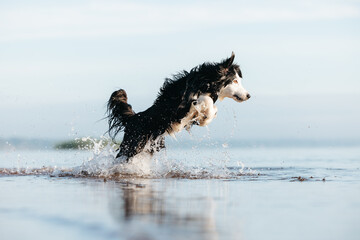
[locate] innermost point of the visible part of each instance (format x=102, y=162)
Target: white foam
x=193, y=163
x=104, y=164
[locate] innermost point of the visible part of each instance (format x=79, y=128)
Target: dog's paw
x=121, y=160
x=196, y=122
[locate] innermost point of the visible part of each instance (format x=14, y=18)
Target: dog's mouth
x=237, y=98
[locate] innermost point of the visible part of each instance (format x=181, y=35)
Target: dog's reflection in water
x=141, y=203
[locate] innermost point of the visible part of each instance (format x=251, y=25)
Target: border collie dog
x=185, y=100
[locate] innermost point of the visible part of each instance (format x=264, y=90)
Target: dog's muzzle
x=240, y=99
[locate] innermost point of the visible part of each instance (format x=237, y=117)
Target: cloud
x=104, y=18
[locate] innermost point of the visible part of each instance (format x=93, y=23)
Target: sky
x=61, y=60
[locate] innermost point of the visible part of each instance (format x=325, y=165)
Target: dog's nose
x=248, y=95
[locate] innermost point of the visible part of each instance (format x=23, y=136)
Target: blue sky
x=60, y=61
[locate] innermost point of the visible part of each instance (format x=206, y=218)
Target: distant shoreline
x=88, y=143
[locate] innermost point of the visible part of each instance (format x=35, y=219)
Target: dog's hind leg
x=132, y=145
x=157, y=144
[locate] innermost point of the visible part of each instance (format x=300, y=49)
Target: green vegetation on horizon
x=83, y=144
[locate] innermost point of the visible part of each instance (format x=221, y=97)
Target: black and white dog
x=185, y=100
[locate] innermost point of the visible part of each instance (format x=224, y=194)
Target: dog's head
x=231, y=79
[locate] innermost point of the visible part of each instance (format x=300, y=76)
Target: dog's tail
x=119, y=112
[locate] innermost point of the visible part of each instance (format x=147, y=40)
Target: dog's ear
x=228, y=62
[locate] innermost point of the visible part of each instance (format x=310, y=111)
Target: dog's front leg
x=206, y=110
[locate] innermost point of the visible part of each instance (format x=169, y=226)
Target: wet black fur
x=171, y=105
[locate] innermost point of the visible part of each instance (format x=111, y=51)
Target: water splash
x=103, y=164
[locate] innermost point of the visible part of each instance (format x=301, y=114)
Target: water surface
x=223, y=193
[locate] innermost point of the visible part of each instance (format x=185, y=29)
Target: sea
x=223, y=191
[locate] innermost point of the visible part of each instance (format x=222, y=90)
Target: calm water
x=207, y=193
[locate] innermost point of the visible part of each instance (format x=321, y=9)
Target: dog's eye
x=235, y=81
